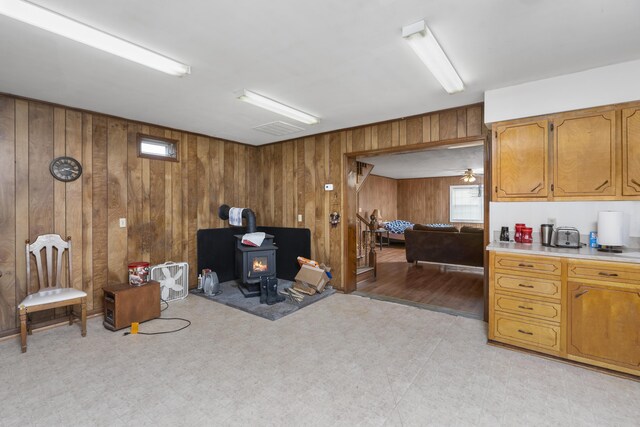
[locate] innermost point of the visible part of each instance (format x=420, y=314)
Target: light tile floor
x=343, y=361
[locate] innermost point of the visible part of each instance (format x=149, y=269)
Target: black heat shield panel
x=216, y=250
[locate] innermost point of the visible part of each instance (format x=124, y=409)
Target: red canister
x=138, y=273
x=527, y=235
x=518, y=234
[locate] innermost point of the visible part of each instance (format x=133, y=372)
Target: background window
x=466, y=203
x=154, y=147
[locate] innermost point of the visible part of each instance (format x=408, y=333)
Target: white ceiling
x=428, y=163
x=343, y=61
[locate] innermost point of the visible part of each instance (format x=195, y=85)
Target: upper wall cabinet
x=631, y=151
x=591, y=154
x=584, y=151
x=521, y=161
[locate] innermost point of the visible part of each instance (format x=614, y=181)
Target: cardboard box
x=312, y=276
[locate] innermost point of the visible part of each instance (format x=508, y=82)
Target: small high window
x=155, y=147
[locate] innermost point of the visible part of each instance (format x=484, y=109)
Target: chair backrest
x=48, y=242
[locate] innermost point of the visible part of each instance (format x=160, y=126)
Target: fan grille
x=182, y=281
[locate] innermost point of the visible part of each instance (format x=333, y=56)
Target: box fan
x=173, y=278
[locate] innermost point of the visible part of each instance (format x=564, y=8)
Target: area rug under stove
x=232, y=297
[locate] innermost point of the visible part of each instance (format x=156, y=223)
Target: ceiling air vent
x=278, y=128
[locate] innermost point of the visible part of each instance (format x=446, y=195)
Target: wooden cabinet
x=521, y=161
x=631, y=151
x=604, y=325
x=578, y=309
x=584, y=152
x=591, y=154
x=525, y=306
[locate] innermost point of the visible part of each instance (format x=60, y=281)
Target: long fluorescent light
x=74, y=30
x=277, y=107
x=425, y=45
x=471, y=144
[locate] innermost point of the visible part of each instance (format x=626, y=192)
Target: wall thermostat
x=328, y=187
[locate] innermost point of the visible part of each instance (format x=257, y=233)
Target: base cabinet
x=603, y=324
x=583, y=310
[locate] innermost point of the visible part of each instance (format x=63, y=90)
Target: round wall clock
x=65, y=169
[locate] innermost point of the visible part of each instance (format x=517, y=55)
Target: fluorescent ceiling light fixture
x=425, y=45
x=54, y=22
x=276, y=107
x=471, y=144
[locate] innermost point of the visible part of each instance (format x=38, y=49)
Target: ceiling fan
x=468, y=176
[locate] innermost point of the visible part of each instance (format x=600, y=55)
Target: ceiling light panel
x=277, y=107
x=425, y=45
x=54, y=22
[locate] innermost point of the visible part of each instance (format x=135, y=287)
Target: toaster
x=565, y=237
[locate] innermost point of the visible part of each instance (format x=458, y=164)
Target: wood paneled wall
x=379, y=192
x=165, y=203
x=426, y=200
x=294, y=172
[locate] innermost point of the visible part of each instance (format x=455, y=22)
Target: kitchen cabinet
x=525, y=308
x=604, y=322
x=631, y=151
x=584, y=153
x=591, y=154
x=575, y=308
x=521, y=161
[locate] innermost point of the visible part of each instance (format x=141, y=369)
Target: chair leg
x=29, y=326
x=83, y=317
x=70, y=314
x=23, y=328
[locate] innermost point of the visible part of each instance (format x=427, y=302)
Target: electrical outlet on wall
x=551, y=221
x=299, y=217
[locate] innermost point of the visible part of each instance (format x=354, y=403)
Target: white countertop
x=628, y=255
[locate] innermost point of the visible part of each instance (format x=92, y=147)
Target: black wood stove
x=253, y=262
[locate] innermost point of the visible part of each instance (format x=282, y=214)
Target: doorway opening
x=421, y=226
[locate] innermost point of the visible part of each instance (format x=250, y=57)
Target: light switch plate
x=299, y=217
x=123, y=222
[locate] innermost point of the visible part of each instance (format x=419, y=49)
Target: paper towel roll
x=610, y=224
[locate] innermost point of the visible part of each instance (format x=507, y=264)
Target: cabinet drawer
x=527, y=264
x=527, y=333
x=526, y=307
x=526, y=285
x=603, y=271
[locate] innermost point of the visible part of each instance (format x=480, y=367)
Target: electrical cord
x=164, y=318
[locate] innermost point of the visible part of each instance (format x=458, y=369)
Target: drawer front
x=603, y=271
x=526, y=285
x=530, y=333
x=526, y=307
x=526, y=264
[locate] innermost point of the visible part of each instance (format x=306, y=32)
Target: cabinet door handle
x=525, y=308
x=604, y=273
x=525, y=332
x=525, y=265
x=578, y=295
x=536, y=187
x=525, y=286
x=602, y=185
x=635, y=182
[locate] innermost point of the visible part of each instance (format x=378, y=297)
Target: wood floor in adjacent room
x=455, y=290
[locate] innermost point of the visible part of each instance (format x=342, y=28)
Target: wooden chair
x=52, y=294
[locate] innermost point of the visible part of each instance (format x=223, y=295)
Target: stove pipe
x=223, y=213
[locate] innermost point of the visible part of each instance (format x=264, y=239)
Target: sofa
x=445, y=245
